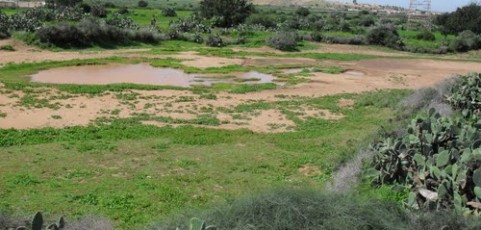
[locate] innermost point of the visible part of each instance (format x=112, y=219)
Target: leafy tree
x=226, y=13
x=464, y=18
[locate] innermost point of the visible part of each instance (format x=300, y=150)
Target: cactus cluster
x=438, y=159
x=466, y=94
x=198, y=224
x=38, y=224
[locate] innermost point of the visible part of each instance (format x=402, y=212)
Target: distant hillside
x=290, y=2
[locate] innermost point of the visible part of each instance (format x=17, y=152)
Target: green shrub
x=124, y=10
x=226, y=13
x=109, y=5
x=98, y=10
x=366, y=21
x=316, y=36
x=7, y=48
x=303, y=11
x=91, y=32
x=214, y=41
x=426, y=36
x=385, y=36
x=284, y=40
x=466, y=41
x=4, y=26
x=263, y=20
x=464, y=18
x=86, y=8
x=142, y=4
x=169, y=12
x=345, y=40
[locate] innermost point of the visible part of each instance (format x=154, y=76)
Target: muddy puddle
x=354, y=73
x=141, y=74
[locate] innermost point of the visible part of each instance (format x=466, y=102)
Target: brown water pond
x=140, y=74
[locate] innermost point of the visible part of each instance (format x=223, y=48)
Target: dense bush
x=169, y=12
x=226, y=13
x=90, y=32
x=284, y=40
x=86, y=8
x=109, y=5
x=464, y=18
x=290, y=209
x=466, y=41
x=345, y=40
x=142, y=4
x=366, y=21
x=385, y=36
x=4, y=26
x=303, y=11
x=123, y=10
x=98, y=10
x=426, y=36
x=466, y=94
x=214, y=41
x=263, y=20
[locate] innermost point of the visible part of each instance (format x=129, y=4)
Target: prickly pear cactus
x=439, y=160
x=38, y=224
x=466, y=94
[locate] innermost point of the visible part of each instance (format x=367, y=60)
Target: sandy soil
x=184, y=107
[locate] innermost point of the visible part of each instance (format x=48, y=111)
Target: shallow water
x=139, y=74
x=354, y=73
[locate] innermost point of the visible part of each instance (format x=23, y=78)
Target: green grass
x=144, y=16
x=135, y=174
x=410, y=39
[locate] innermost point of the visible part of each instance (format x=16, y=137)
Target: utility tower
x=420, y=13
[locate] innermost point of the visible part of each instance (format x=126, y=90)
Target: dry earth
x=182, y=106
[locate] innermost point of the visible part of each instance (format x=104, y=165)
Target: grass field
x=409, y=37
x=135, y=174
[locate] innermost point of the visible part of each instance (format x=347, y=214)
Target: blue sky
x=437, y=5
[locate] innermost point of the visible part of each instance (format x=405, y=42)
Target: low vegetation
x=156, y=170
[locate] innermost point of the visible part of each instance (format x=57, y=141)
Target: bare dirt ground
x=51, y=108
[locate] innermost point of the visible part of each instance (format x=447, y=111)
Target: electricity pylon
x=420, y=12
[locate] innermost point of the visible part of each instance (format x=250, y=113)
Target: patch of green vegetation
x=7, y=48
x=409, y=37
x=134, y=173
x=243, y=88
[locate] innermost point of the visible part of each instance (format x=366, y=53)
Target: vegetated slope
x=289, y=2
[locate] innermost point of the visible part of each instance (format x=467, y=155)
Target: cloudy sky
x=437, y=5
